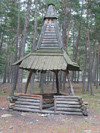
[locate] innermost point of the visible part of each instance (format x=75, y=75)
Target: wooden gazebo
x=49, y=56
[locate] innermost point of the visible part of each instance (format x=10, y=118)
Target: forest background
x=20, y=26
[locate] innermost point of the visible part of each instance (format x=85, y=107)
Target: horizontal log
x=47, y=94
x=26, y=109
x=28, y=100
x=69, y=113
x=48, y=102
x=66, y=99
x=65, y=102
x=81, y=101
x=72, y=97
x=85, y=113
x=85, y=103
x=48, y=99
x=27, y=106
x=69, y=109
x=22, y=94
x=84, y=108
x=50, y=26
x=68, y=106
x=47, y=106
x=46, y=39
x=27, y=97
x=49, y=45
x=11, y=104
x=49, y=42
x=50, y=31
x=49, y=37
x=27, y=103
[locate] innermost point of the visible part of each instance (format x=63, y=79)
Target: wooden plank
x=22, y=94
x=28, y=100
x=27, y=106
x=68, y=106
x=65, y=102
x=27, y=103
x=69, y=109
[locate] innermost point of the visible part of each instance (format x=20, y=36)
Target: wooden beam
x=28, y=80
x=57, y=82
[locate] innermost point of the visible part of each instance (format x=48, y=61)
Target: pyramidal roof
x=50, y=36
x=49, y=54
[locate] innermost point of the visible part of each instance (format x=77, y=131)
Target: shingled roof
x=49, y=54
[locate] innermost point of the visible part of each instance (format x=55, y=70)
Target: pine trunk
x=6, y=62
x=20, y=75
x=84, y=70
x=15, y=68
x=34, y=44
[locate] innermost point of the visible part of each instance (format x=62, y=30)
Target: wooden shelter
x=49, y=55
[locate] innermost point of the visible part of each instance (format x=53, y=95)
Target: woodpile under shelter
x=49, y=56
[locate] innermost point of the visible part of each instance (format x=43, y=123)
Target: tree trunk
x=84, y=70
x=68, y=30
x=1, y=42
x=15, y=68
x=99, y=62
x=94, y=65
x=6, y=62
x=34, y=44
x=23, y=44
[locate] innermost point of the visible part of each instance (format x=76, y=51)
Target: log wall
x=69, y=105
x=25, y=102
x=72, y=105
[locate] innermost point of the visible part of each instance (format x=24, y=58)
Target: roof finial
x=51, y=12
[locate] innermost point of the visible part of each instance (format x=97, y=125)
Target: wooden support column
x=28, y=80
x=57, y=82
x=71, y=90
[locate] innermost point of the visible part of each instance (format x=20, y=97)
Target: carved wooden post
x=70, y=84
x=30, y=74
x=57, y=82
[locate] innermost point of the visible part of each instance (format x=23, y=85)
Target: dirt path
x=20, y=122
